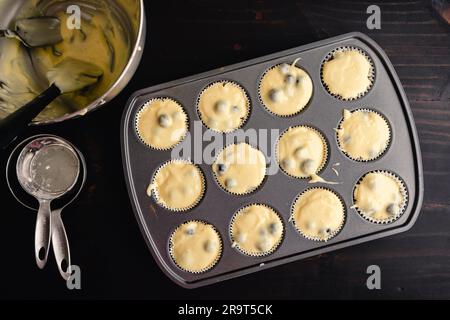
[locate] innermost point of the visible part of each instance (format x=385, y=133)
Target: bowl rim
x=124, y=78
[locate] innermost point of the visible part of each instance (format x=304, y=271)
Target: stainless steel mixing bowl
x=9, y=10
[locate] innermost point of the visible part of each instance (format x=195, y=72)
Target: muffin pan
x=278, y=191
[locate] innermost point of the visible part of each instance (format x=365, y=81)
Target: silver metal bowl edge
x=8, y=10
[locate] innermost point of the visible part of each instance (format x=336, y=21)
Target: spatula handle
x=7, y=34
x=15, y=124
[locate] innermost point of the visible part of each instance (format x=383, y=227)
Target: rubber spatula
x=70, y=75
x=36, y=32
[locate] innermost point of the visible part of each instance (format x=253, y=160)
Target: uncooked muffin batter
x=256, y=230
x=318, y=214
x=223, y=106
x=240, y=168
x=348, y=74
x=102, y=40
x=363, y=135
x=162, y=123
x=302, y=152
x=195, y=246
x=379, y=197
x=178, y=185
x=286, y=89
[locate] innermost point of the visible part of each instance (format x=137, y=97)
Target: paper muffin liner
x=332, y=234
x=372, y=74
x=260, y=94
x=326, y=152
x=155, y=192
x=148, y=105
x=243, y=120
x=236, y=246
x=216, y=178
x=213, y=264
x=388, y=144
x=403, y=192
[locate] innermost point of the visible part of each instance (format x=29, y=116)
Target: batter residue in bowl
x=103, y=39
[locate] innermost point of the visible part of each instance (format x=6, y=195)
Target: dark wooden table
x=188, y=37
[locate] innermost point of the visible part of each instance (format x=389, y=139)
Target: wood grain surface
x=191, y=36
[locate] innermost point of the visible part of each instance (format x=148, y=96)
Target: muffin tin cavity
x=240, y=169
x=223, y=106
x=380, y=197
x=363, y=134
x=256, y=230
x=348, y=73
x=161, y=123
x=195, y=246
x=316, y=215
x=302, y=151
x=285, y=89
x=178, y=185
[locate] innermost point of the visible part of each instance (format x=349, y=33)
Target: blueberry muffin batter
x=318, y=214
x=240, y=169
x=285, y=90
x=178, y=185
x=102, y=40
x=195, y=246
x=223, y=106
x=302, y=152
x=162, y=123
x=380, y=197
x=256, y=230
x=348, y=74
x=363, y=135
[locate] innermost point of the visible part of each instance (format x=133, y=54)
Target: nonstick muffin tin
x=278, y=191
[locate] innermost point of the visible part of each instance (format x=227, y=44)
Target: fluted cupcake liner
x=332, y=234
x=326, y=152
x=378, y=156
x=402, y=205
x=248, y=110
x=235, y=244
x=260, y=94
x=209, y=267
x=148, y=105
x=216, y=178
x=154, y=188
x=372, y=74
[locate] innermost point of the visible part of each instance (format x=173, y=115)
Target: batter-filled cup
x=195, y=246
x=285, y=90
x=178, y=185
x=318, y=214
x=380, y=197
x=223, y=106
x=240, y=169
x=256, y=230
x=363, y=134
x=161, y=123
x=348, y=73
